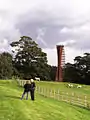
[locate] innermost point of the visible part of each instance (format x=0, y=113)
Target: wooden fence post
x=85, y=100
x=72, y=98
x=61, y=95
x=67, y=97
x=78, y=99
x=58, y=94
x=54, y=94
x=39, y=90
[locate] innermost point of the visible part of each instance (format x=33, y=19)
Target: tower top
x=60, y=45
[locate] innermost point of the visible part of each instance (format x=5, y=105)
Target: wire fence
x=73, y=98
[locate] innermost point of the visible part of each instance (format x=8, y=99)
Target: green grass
x=12, y=108
x=62, y=86
x=61, y=91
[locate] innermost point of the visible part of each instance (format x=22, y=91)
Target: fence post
x=72, y=98
x=42, y=91
x=22, y=82
x=58, y=94
x=54, y=93
x=85, y=100
x=78, y=99
x=45, y=92
x=19, y=82
x=62, y=96
x=36, y=88
x=50, y=93
x=39, y=89
x=67, y=97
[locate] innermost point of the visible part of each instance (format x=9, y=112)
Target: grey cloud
x=30, y=28
x=52, y=36
x=53, y=19
x=29, y=23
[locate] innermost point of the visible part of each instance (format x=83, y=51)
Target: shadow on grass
x=80, y=106
x=14, y=97
x=87, y=108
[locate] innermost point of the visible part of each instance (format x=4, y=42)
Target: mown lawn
x=62, y=86
x=12, y=108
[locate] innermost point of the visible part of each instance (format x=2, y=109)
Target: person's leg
x=27, y=96
x=23, y=95
x=32, y=95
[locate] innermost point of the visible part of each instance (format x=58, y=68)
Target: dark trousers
x=25, y=92
x=32, y=94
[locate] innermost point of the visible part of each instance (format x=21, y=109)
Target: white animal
x=36, y=78
x=70, y=85
x=79, y=86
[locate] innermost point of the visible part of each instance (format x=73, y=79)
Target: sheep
x=36, y=78
x=70, y=85
x=79, y=86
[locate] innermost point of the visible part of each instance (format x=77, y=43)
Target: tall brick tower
x=61, y=63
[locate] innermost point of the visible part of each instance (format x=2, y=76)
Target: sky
x=49, y=23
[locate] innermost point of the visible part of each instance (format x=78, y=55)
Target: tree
x=79, y=72
x=29, y=59
x=71, y=73
x=83, y=65
x=6, y=67
x=53, y=70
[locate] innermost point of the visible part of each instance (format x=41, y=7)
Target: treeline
x=79, y=72
x=26, y=61
x=29, y=61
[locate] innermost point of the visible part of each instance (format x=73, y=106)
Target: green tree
x=79, y=72
x=82, y=64
x=53, y=70
x=29, y=59
x=71, y=74
x=6, y=67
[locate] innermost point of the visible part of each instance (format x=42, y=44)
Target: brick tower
x=61, y=63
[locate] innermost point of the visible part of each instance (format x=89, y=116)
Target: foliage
x=29, y=59
x=79, y=72
x=53, y=72
x=6, y=67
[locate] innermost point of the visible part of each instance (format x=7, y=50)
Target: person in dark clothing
x=27, y=87
x=32, y=89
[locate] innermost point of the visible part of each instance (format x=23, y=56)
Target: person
x=32, y=89
x=26, y=90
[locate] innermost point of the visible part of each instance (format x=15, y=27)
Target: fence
x=65, y=96
x=81, y=100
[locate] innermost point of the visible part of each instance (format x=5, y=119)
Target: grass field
x=85, y=90
x=63, y=87
x=12, y=108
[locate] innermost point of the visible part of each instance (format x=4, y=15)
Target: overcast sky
x=49, y=23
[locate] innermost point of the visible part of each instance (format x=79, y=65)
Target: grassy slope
x=85, y=90
x=12, y=108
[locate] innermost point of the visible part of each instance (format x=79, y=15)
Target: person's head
x=31, y=80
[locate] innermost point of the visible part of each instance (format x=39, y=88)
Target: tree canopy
x=30, y=60
x=6, y=67
x=79, y=72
